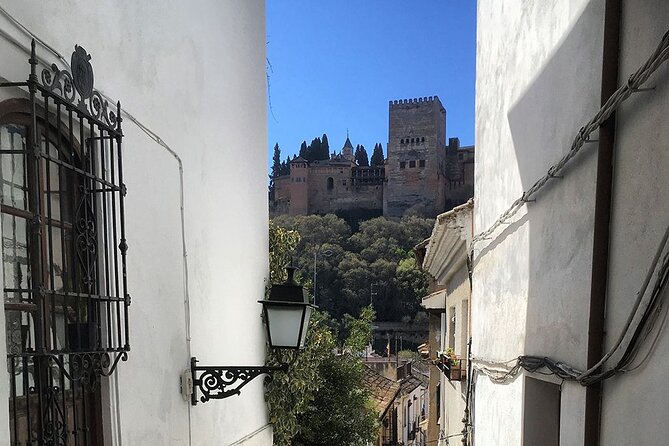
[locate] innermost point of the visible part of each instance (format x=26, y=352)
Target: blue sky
x=335, y=64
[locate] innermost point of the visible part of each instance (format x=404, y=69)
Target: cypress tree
x=361, y=156
x=276, y=162
x=377, y=155
x=325, y=147
x=304, y=150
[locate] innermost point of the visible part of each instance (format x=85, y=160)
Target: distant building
x=421, y=174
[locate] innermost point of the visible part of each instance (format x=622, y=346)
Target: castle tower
x=299, y=187
x=347, y=150
x=416, y=157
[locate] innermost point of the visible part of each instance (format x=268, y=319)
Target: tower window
x=330, y=183
x=423, y=139
x=402, y=141
x=421, y=163
x=403, y=164
x=412, y=163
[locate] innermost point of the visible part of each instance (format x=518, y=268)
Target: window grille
x=64, y=253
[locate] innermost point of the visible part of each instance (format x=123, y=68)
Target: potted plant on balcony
x=451, y=364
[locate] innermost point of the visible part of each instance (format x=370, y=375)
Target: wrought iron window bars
x=64, y=252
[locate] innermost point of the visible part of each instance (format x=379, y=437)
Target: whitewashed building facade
x=558, y=278
x=445, y=260
x=190, y=78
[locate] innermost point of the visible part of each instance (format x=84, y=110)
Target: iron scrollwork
x=218, y=382
x=80, y=80
x=87, y=368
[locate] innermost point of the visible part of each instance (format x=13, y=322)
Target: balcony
x=452, y=366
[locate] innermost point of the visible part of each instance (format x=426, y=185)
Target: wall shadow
x=543, y=124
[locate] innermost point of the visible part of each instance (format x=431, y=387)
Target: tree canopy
x=322, y=398
x=375, y=264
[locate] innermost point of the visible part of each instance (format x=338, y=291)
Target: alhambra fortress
x=422, y=175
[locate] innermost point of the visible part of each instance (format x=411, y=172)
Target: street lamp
x=286, y=312
x=319, y=254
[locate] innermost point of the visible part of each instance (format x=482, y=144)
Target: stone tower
x=416, y=157
x=299, y=187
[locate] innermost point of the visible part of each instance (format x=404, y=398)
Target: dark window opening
x=403, y=164
x=330, y=183
x=421, y=163
x=412, y=163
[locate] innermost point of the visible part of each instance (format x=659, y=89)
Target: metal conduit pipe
x=602, y=220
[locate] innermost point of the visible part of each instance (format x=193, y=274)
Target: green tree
x=276, y=162
x=361, y=156
x=377, y=156
x=325, y=147
x=341, y=413
x=304, y=150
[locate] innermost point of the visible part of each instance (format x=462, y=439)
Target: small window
x=412, y=163
x=412, y=140
x=343, y=183
x=402, y=141
x=423, y=139
x=330, y=183
x=421, y=163
x=403, y=164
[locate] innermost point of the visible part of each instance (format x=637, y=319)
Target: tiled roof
x=410, y=383
x=383, y=390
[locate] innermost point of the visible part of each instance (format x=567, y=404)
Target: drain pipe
x=602, y=220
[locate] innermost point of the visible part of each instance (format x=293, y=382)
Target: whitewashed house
x=558, y=275
x=445, y=261
x=99, y=282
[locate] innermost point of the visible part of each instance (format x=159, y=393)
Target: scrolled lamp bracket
x=286, y=311
x=219, y=382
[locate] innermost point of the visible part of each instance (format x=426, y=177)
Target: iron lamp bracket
x=218, y=382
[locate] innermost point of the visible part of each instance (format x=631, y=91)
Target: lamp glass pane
x=284, y=325
x=307, y=317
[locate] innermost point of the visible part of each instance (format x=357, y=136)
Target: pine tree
x=361, y=156
x=377, y=155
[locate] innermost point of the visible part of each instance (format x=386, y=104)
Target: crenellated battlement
x=413, y=100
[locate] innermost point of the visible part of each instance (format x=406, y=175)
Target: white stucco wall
x=635, y=406
x=193, y=72
x=538, y=81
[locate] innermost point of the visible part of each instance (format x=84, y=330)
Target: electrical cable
x=635, y=307
x=634, y=84
x=501, y=372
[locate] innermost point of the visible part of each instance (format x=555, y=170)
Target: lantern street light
x=286, y=313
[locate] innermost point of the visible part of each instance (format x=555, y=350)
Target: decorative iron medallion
x=67, y=84
x=82, y=72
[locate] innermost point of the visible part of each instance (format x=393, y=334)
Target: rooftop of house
x=383, y=390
